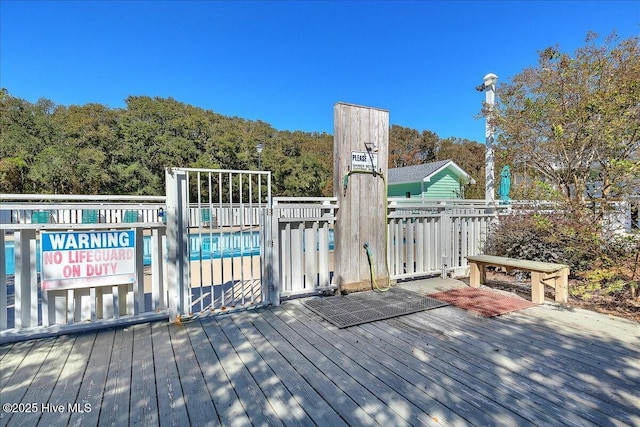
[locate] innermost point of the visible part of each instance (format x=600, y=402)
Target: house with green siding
x=435, y=180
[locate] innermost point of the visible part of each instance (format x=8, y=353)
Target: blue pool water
x=205, y=246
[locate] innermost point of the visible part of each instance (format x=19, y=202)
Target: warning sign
x=87, y=259
x=363, y=160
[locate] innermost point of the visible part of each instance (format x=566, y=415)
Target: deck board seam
x=258, y=370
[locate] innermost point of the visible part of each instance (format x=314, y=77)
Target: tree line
x=93, y=149
x=569, y=127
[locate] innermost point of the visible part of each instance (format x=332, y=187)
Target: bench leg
x=477, y=274
x=562, y=286
x=537, y=287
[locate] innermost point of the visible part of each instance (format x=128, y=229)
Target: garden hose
x=367, y=246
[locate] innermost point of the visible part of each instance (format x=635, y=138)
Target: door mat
x=485, y=302
x=370, y=306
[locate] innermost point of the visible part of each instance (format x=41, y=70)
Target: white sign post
x=72, y=260
x=489, y=83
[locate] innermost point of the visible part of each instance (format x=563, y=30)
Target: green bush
x=548, y=238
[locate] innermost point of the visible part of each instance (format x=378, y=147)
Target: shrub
x=549, y=238
x=606, y=264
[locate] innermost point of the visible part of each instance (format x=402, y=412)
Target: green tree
x=92, y=132
x=25, y=130
x=408, y=147
x=575, y=119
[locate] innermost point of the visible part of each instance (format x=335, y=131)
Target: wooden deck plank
x=67, y=387
x=284, y=365
x=24, y=375
x=313, y=370
x=199, y=406
x=598, y=352
x=579, y=322
x=403, y=411
x=525, y=363
x=369, y=403
x=475, y=380
x=9, y=366
x=623, y=366
x=313, y=404
x=5, y=350
x=143, y=400
x=39, y=390
x=228, y=407
x=434, y=356
x=284, y=404
x=114, y=410
x=504, y=352
x=249, y=393
x=546, y=358
x=400, y=385
x=171, y=404
x=94, y=381
x=508, y=375
x=413, y=371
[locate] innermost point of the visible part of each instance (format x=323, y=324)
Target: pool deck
x=544, y=365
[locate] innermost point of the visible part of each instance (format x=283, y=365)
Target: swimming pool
x=201, y=246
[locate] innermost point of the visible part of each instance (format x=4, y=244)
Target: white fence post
x=26, y=285
x=159, y=291
x=178, y=270
x=446, y=235
x=138, y=290
x=273, y=256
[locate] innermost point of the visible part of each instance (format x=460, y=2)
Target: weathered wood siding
x=362, y=216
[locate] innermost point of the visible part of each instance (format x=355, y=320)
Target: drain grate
x=365, y=307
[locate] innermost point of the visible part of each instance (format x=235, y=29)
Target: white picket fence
x=302, y=230
x=423, y=240
x=35, y=311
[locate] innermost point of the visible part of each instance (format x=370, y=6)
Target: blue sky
x=287, y=63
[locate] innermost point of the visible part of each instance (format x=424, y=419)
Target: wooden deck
x=285, y=366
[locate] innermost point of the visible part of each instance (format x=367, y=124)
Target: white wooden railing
x=423, y=239
x=31, y=311
x=28, y=310
x=426, y=240
x=301, y=232
x=66, y=209
x=79, y=209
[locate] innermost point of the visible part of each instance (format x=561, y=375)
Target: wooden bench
x=542, y=273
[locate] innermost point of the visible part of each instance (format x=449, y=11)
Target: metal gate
x=218, y=230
